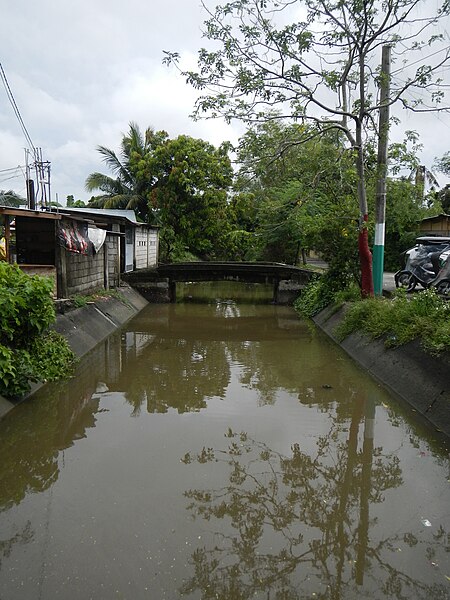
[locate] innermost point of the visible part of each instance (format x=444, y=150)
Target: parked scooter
x=423, y=263
x=442, y=281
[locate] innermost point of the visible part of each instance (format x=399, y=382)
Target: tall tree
x=179, y=184
x=305, y=194
x=443, y=166
x=190, y=193
x=127, y=189
x=316, y=61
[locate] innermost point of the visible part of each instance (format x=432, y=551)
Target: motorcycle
x=442, y=281
x=423, y=263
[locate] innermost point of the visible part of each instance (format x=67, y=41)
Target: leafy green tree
x=305, y=194
x=180, y=184
x=316, y=64
x=443, y=164
x=72, y=203
x=190, y=193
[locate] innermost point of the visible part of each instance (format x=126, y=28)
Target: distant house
x=436, y=226
x=84, y=250
x=139, y=244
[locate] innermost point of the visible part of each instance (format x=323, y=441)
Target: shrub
x=28, y=351
x=322, y=291
x=26, y=305
x=424, y=316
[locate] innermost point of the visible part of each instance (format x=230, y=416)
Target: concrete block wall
x=113, y=248
x=85, y=273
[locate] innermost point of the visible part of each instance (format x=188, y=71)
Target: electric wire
x=16, y=109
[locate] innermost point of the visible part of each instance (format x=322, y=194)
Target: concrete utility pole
x=380, y=202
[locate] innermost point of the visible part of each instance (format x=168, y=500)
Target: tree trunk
x=365, y=260
x=365, y=255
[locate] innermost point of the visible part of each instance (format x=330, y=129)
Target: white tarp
x=97, y=237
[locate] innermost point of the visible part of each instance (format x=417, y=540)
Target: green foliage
x=26, y=305
x=404, y=211
x=28, y=352
x=72, y=203
x=323, y=291
x=425, y=316
x=189, y=195
x=50, y=357
x=304, y=189
x=179, y=184
x=316, y=73
x=314, y=298
x=443, y=164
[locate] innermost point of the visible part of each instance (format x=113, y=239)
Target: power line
x=11, y=177
x=12, y=169
x=15, y=108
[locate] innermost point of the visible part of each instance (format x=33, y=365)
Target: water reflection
x=84, y=487
x=178, y=374
x=301, y=524
x=35, y=435
x=181, y=366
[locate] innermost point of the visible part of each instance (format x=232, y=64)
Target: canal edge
x=419, y=379
x=87, y=326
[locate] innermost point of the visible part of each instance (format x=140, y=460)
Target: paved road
x=388, y=282
x=388, y=278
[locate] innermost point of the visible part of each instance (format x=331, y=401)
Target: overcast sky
x=81, y=71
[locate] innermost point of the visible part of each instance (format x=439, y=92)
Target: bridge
x=159, y=284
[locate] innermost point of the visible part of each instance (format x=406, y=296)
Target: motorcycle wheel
x=406, y=280
x=443, y=288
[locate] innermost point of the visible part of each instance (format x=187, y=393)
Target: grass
x=79, y=300
x=424, y=316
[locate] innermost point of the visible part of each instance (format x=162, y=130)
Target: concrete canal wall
x=421, y=380
x=87, y=326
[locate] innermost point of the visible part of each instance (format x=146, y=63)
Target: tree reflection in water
x=22, y=537
x=180, y=374
x=300, y=524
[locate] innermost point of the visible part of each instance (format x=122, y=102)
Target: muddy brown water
x=221, y=450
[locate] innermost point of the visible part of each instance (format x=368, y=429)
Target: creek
x=223, y=449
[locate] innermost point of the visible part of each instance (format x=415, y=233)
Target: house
x=83, y=250
x=436, y=226
x=139, y=241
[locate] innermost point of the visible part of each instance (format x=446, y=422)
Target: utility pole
x=39, y=192
x=380, y=201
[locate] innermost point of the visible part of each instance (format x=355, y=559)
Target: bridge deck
x=150, y=282
x=202, y=271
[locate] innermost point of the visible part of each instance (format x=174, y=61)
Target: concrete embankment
x=85, y=327
x=421, y=380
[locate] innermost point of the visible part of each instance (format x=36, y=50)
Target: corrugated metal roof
x=127, y=215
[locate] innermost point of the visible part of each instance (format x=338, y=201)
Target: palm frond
x=118, y=201
x=112, y=161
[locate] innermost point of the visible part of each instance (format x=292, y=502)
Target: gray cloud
x=81, y=71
